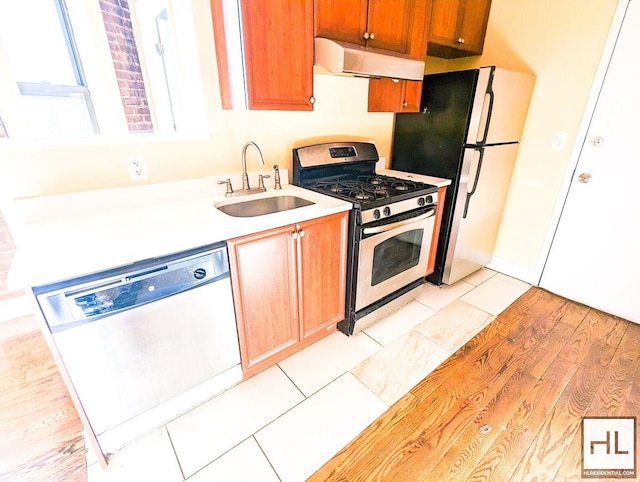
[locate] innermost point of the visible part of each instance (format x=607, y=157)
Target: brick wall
x=124, y=53
x=7, y=248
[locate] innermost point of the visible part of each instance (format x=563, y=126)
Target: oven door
x=392, y=256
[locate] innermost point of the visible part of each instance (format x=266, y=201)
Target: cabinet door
x=444, y=22
x=388, y=22
x=473, y=25
x=322, y=259
x=344, y=20
x=392, y=95
x=264, y=282
x=278, y=49
x=458, y=27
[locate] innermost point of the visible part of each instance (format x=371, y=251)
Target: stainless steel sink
x=262, y=206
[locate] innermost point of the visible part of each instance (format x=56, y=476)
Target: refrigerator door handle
x=475, y=184
x=487, y=117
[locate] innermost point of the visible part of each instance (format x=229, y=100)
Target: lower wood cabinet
x=289, y=288
x=431, y=263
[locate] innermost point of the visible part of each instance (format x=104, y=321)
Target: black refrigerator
x=468, y=130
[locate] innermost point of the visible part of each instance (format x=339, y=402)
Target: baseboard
x=13, y=308
x=514, y=270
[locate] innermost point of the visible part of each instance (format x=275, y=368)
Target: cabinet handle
x=295, y=235
x=312, y=100
x=301, y=233
x=460, y=40
x=372, y=36
x=366, y=35
x=404, y=104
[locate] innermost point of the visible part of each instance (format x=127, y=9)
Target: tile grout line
x=175, y=453
x=266, y=457
x=294, y=383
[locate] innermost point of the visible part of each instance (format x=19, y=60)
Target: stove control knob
x=376, y=214
x=429, y=199
x=199, y=273
x=386, y=211
x=421, y=201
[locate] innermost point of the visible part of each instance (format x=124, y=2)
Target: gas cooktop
x=372, y=190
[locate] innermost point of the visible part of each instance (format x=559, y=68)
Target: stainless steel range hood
x=348, y=58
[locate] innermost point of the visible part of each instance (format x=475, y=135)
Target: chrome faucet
x=245, y=176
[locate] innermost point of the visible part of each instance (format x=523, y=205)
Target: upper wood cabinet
x=289, y=288
x=458, y=27
x=392, y=95
x=277, y=45
x=396, y=25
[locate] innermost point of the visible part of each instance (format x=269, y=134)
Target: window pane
x=58, y=117
x=34, y=42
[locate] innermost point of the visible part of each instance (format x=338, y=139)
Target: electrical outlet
x=559, y=141
x=137, y=168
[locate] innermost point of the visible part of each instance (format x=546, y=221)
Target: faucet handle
x=277, y=177
x=261, y=179
x=229, y=192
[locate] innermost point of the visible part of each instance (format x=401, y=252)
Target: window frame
x=98, y=84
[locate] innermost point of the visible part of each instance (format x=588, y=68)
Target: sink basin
x=262, y=206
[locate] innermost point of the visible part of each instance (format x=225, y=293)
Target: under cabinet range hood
x=354, y=59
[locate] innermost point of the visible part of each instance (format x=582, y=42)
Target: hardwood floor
x=530, y=377
x=40, y=432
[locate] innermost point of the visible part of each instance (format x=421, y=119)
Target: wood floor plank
x=595, y=327
x=552, y=442
x=610, y=399
x=501, y=460
x=40, y=431
x=459, y=461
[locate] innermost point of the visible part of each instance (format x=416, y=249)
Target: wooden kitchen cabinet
x=396, y=25
x=393, y=95
x=277, y=44
x=322, y=271
x=289, y=288
x=431, y=263
x=458, y=28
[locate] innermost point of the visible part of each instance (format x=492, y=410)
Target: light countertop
x=68, y=235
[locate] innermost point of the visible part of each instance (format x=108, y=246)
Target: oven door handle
x=399, y=224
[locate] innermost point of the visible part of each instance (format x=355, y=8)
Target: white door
x=595, y=254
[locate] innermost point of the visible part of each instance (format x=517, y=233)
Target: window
x=49, y=77
x=77, y=68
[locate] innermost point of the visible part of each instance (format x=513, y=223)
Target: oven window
x=395, y=255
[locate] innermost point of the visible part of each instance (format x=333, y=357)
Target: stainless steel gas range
x=390, y=227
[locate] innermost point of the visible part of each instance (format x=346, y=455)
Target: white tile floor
x=284, y=423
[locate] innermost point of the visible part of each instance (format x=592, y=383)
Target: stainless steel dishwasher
x=136, y=337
